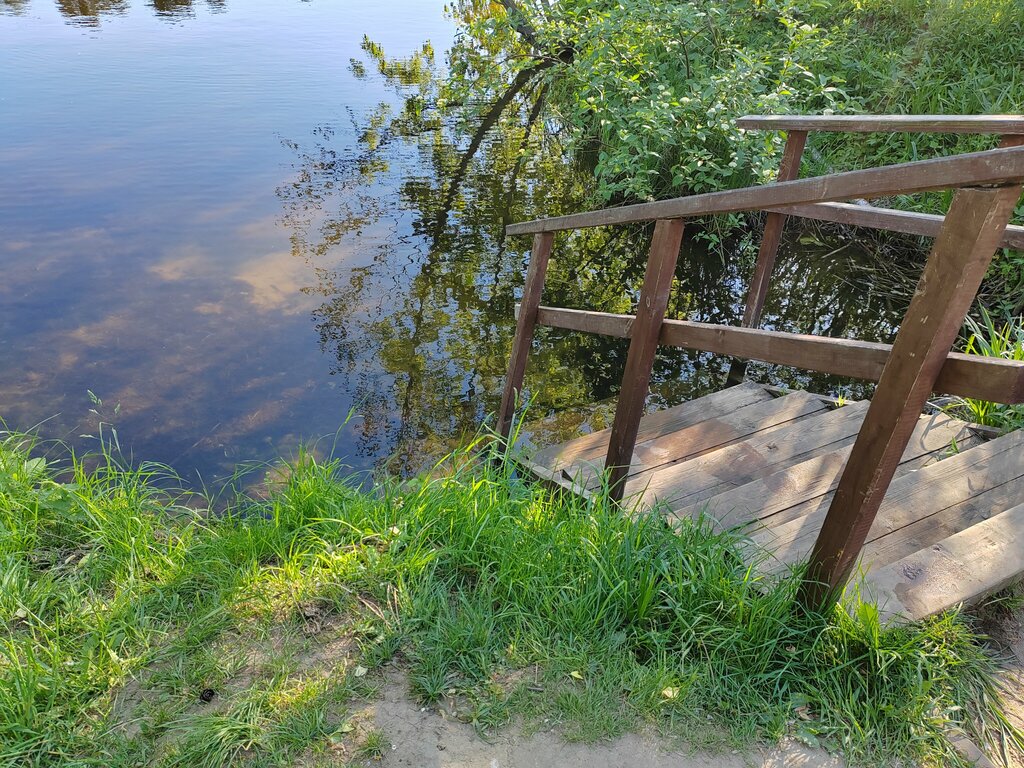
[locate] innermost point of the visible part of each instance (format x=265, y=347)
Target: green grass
x=121, y=603
x=375, y=745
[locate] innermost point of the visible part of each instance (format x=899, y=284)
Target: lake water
x=211, y=241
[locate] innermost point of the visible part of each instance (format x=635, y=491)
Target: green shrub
x=652, y=89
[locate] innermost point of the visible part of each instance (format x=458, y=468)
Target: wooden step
x=592, y=448
x=959, y=569
x=710, y=435
x=775, y=498
x=950, y=529
x=689, y=482
x=912, y=497
x=950, y=521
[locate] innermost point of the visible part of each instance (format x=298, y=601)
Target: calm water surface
x=197, y=226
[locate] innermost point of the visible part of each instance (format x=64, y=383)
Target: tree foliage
x=647, y=92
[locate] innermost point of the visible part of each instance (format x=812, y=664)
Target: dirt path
x=424, y=738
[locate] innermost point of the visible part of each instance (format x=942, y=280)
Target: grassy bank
x=138, y=630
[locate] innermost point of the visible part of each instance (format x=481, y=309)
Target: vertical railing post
x=789, y=169
x=525, y=324
x=952, y=275
x=650, y=312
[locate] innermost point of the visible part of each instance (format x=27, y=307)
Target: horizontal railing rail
x=982, y=378
x=998, y=124
x=889, y=219
x=991, y=167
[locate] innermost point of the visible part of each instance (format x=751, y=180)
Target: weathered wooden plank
x=962, y=744
x=789, y=169
x=594, y=446
x=871, y=217
x=885, y=123
x=913, y=497
x=994, y=166
x=693, y=481
x=952, y=275
x=661, y=269
x=715, y=433
x=960, y=569
x=771, y=497
x=984, y=378
x=778, y=391
x=910, y=463
x=525, y=325
x=922, y=533
x=709, y=434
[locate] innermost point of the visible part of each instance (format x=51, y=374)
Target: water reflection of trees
x=421, y=328
x=14, y=7
x=89, y=12
x=178, y=8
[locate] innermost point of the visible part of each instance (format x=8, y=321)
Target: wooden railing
x=919, y=362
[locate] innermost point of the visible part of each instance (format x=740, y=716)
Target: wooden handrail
x=872, y=217
x=983, y=378
x=919, y=362
x=1002, y=124
x=992, y=167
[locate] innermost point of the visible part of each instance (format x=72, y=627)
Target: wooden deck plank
x=909, y=463
x=910, y=498
x=724, y=430
x=693, y=481
x=768, y=500
x=709, y=435
x=932, y=529
x=960, y=569
x=594, y=446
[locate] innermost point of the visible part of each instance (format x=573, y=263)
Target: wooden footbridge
x=929, y=508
